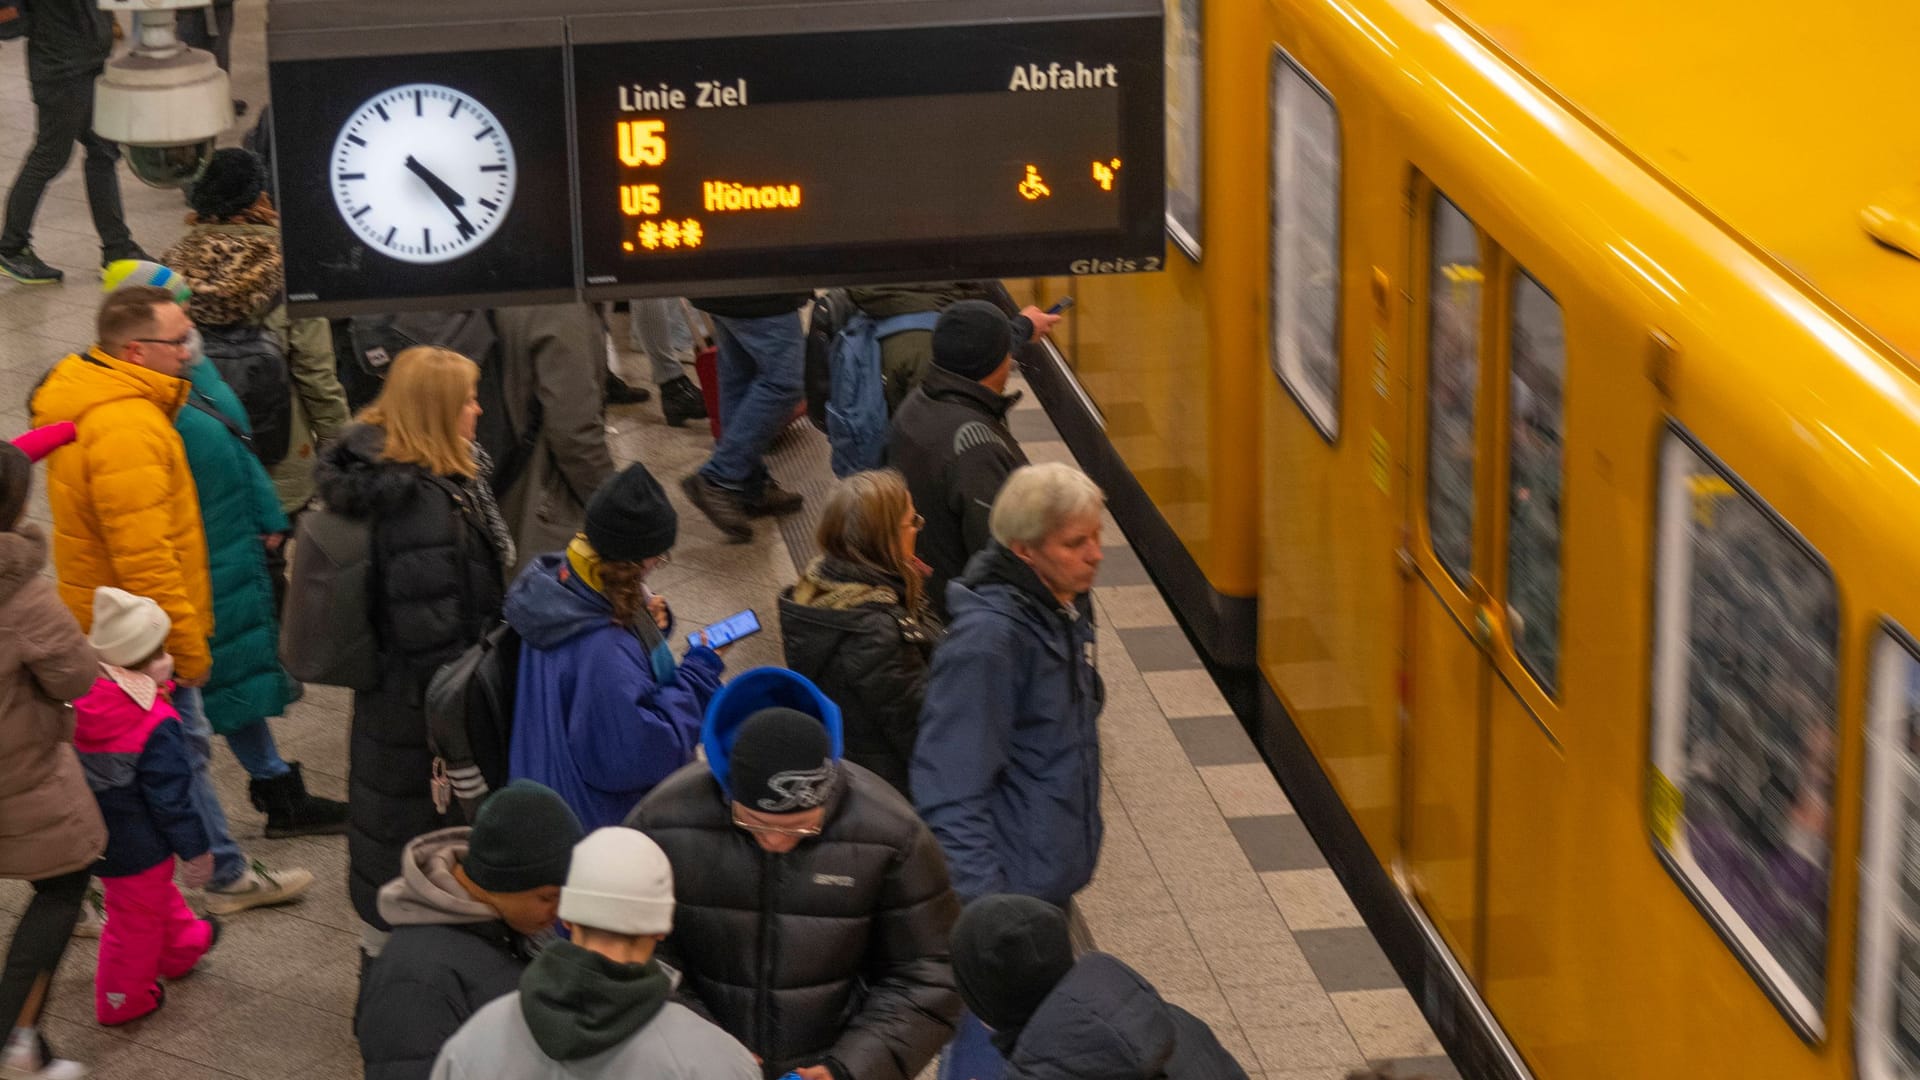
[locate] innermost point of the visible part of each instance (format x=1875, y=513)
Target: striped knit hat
x=124, y=272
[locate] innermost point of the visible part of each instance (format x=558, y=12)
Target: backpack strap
x=201, y=402
x=899, y=324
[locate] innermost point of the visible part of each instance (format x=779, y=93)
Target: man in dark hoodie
x=813, y=906
x=467, y=910
x=1006, y=769
x=950, y=437
x=1053, y=1017
x=68, y=42
x=599, y=1005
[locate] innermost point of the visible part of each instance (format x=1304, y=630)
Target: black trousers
x=40, y=940
x=194, y=31
x=62, y=116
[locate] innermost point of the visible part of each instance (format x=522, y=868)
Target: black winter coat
x=753, y=305
x=836, y=949
x=439, y=586
x=66, y=39
x=950, y=440
x=426, y=983
x=1104, y=1022
x=856, y=641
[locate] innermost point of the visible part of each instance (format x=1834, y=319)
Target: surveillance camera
x=163, y=102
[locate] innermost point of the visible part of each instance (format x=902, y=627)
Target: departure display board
x=975, y=151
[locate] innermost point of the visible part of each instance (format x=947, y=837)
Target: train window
x=1740, y=793
x=1453, y=384
x=1535, y=419
x=1184, y=120
x=1305, y=257
x=1887, y=1016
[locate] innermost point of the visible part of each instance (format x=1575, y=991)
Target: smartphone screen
x=728, y=630
x=1060, y=305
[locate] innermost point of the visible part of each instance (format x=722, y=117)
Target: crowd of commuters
x=836, y=870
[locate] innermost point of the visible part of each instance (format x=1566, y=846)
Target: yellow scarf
x=585, y=562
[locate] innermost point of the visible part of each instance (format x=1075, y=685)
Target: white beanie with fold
x=620, y=882
x=126, y=628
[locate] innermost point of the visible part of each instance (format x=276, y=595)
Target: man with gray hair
x=1006, y=770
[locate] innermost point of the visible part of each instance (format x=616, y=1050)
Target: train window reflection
x=1740, y=795
x=1453, y=384
x=1536, y=416
x=1184, y=99
x=1887, y=1016
x=1305, y=254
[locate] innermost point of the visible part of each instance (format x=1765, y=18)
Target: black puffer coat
x=837, y=949
x=845, y=627
x=440, y=585
x=1104, y=1022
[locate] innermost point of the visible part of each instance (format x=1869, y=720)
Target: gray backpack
x=327, y=634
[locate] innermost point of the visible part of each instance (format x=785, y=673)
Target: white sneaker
x=258, y=887
x=22, y=1062
x=93, y=914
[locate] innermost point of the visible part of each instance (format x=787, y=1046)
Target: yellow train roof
x=1785, y=119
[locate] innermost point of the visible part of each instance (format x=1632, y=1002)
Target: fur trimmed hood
x=23, y=554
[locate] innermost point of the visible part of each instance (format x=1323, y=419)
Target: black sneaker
x=681, y=401
x=775, y=501
x=26, y=268
x=726, y=509
x=129, y=250
x=620, y=392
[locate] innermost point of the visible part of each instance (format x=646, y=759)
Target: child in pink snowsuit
x=135, y=754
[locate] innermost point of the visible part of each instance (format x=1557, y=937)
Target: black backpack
x=377, y=339
x=254, y=363
x=469, y=708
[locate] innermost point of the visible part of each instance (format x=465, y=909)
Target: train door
x=1483, y=589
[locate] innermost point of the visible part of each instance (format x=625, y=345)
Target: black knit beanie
x=233, y=182
x=1009, y=952
x=16, y=482
x=781, y=762
x=522, y=839
x=630, y=519
x=972, y=338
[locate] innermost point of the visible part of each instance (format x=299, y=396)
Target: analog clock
x=422, y=173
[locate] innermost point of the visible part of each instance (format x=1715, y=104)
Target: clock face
x=422, y=173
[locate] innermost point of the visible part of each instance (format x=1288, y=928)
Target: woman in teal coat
x=240, y=510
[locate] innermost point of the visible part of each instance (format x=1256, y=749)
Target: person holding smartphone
x=604, y=710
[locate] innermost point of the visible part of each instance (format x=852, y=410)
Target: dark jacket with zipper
x=66, y=39
x=1007, y=767
x=1104, y=1022
x=950, y=440
x=449, y=955
x=438, y=587
x=836, y=950
x=753, y=305
x=846, y=628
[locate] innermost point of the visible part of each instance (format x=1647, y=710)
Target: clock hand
x=453, y=199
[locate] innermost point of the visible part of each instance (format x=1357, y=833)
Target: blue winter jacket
x=1006, y=770
x=141, y=772
x=593, y=717
x=1104, y=1022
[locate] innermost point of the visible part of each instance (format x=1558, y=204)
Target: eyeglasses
x=796, y=831
x=919, y=522
x=188, y=342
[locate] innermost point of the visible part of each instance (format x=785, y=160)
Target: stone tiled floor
x=1208, y=883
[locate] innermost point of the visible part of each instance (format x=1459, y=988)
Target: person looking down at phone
x=603, y=710
x=813, y=905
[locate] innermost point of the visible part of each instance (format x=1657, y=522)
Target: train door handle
x=1483, y=625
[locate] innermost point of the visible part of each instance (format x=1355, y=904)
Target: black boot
x=291, y=811
x=619, y=392
x=680, y=401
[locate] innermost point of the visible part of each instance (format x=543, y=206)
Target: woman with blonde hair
x=858, y=623
x=409, y=465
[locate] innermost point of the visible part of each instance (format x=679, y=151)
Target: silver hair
x=1038, y=499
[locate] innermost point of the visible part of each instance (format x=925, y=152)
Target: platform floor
x=1208, y=883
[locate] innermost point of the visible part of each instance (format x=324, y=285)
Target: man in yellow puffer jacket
x=125, y=511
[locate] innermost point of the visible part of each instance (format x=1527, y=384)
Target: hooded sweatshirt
x=833, y=952
x=592, y=719
x=134, y=752
x=582, y=1016
x=1007, y=767
x=449, y=955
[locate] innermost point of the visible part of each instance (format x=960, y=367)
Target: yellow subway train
x=1528, y=419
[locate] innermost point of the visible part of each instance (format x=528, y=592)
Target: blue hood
x=547, y=610
x=748, y=693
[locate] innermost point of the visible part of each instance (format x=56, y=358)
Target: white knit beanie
x=620, y=882
x=126, y=628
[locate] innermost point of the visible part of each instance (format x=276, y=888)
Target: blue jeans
x=658, y=327
x=762, y=377
x=971, y=1055
x=253, y=747
x=229, y=865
